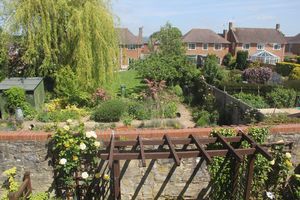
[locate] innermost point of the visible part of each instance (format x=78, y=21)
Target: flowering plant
x=74, y=158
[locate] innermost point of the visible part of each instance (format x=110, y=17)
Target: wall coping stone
x=145, y=133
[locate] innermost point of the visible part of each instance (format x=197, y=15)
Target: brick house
x=201, y=42
x=266, y=45
x=130, y=46
x=293, y=45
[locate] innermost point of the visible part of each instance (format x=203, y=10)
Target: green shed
x=33, y=86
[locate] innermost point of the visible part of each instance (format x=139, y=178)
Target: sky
x=211, y=14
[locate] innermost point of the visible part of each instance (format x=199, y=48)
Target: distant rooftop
x=28, y=84
x=203, y=36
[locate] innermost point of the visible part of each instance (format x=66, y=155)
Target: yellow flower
x=289, y=163
x=297, y=176
x=75, y=158
x=67, y=144
x=67, y=128
x=106, y=177
x=98, y=175
x=288, y=155
x=272, y=162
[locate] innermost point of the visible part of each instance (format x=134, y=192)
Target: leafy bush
x=282, y=98
x=252, y=88
x=211, y=70
x=295, y=74
x=177, y=90
x=227, y=59
x=170, y=110
x=109, y=111
x=139, y=111
x=285, y=68
x=241, y=60
x=257, y=75
x=204, y=118
x=254, y=101
x=15, y=97
x=100, y=95
x=292, y=84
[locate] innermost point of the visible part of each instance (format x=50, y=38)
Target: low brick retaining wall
x=28, y=152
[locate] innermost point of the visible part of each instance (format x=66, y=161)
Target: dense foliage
x=282, y=98
x=257, y=75
x=57, y=33
x=169, y=62
x=211, y=70
x=109, y=111
x=295, y=74
x=241, y=59
x=254, y=101
x=285, y=68
x=227, y=59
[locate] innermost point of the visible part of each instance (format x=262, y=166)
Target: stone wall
x=160, y=178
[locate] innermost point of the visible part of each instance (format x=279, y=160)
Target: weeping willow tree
x=60, y=33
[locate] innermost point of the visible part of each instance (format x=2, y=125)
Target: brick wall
x=28, y=151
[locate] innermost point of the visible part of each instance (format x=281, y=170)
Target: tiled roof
x=28, y=84
x=258, y=35
x=126, y=37
x=203, y=36
x=293, y=40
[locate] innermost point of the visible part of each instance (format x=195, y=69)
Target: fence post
x=11, y=196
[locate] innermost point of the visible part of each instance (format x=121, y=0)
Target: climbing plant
x=56, y=33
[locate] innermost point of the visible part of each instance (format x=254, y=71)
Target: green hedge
x=292, y=84
x=109, y=111
x=285, y=68
x=252, y=88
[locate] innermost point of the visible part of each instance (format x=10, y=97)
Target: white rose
x=270, y=195
x=93, y=134
x=272, y=162
x=288, y=155
x=67, y=128
x=62, y=161
x=97, y=144
x=88, y=134
x=84, y=175
x=82, y=146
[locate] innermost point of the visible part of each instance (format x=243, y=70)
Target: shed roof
x=28, y=84
x=203, y=36
x=258, y=35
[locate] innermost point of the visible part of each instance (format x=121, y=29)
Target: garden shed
x=33, y=86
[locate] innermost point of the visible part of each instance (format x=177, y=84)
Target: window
x=276, y=46
x=131, y=46
x=130, y=61
x=191, y=46
x=218, y=46
x=260, y=46
x=192, y=59
x=246, y=46
x=205, y=46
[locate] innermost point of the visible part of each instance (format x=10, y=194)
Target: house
x=130, y=46
x=201, y=42
x=266, y=45
x=293, y=45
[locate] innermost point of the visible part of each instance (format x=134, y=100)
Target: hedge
x=252, y=88
x=285, y=68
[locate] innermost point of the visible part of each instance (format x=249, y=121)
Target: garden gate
x=114, y=154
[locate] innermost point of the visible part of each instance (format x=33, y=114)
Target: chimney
x=277, y=27
x=141, y=35
x=230, y=25
x=225, y=34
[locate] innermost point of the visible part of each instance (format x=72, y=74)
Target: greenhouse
x=265, y=57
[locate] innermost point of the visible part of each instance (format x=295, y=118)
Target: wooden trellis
x=114, y=154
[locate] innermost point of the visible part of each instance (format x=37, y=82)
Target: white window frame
x=189, y=47
x=244, y=46
x=263, y=46
x=279, y=45
x=205, y=44
x=221, y=46
x=131, y=47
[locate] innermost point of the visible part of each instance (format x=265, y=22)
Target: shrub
x=254, y=101
x=15, y=97
x=100, y=95
x=170, y=110
x=292, y=84
x=295, y=74
x=257, y=75
x=211, y=70
x=139, y=111
x=241, y=59
x=282, y=98
x=227, y=59
x=285, y=68
x=177, y=90
x=204, y=119
x=109, y=111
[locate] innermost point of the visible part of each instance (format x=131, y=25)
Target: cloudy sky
x=212, y=14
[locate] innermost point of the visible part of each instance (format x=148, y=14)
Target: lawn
x=129, y=78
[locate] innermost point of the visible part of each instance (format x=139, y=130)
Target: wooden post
x=235, y=175
x=249, y=176
x=116, y=179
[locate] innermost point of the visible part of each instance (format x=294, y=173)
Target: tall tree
x=58, y=33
